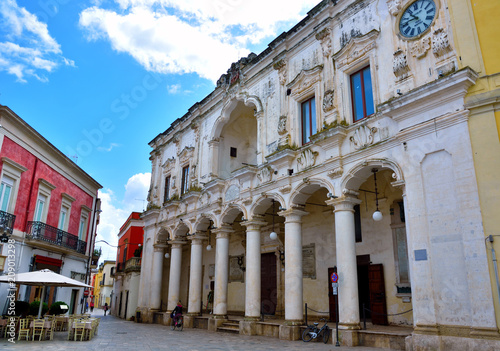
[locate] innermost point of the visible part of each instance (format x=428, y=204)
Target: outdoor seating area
x=79, y=327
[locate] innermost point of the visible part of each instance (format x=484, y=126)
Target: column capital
x=254, y=223
x=159, y=247
x=293, y=215
x=345, y=203
x=223, y=231
x=198, y=237
x=177, y=244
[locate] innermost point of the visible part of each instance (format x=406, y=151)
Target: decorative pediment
x=186, y=154
x=306, y=160
x=356, y=49
x=305, y=79
x=168, y=164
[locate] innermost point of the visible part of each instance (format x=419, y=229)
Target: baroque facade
x=343, y=146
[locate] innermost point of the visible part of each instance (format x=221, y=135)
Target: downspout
x=495, y=265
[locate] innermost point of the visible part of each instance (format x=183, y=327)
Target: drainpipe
x=494, y=258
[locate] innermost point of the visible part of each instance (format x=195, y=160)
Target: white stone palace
x=347, y=138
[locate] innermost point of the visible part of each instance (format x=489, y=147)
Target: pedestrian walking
x=105, y=308
x=92, y=306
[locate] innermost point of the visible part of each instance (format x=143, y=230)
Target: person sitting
x=176, y=313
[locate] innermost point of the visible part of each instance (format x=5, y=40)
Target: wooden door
x=333, y=299
x=268, y=288
x=377, y=294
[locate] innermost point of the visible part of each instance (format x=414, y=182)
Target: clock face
x=417, y=18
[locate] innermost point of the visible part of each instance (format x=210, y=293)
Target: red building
x=128, y=267
x=48, y=205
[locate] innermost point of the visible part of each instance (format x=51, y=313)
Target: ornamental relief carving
x=420, y=47
x=282, y=125
x=394, y=6
x=265, y=175
x=335, y=173
x=186, y=154
x=305, y=80
x=328, y=100
x=355, y=49
x=440, y=42
x=306, y=160
x=363, y=137
x=168, y=164
x=326, y=43
x=280, y=66
x=400, y=64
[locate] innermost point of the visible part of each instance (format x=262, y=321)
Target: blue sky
x=100, y=79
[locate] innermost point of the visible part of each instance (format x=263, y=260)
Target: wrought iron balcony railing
x=7, y=222
x=133, y=264
x=120, y=267
x=42, y=231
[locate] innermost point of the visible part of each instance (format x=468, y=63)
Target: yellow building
x=97, y=286
x=476, y=34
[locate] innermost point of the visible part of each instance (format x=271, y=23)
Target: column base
x=250, y=327
x=347, y=337
x=215, y=322
x=293, y=322
x=289, y=332
x=189, y=319
x=349, y=326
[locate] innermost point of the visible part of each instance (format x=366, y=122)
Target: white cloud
x=115, y=212
x=173, y=89
x=27, y=47
x=108, y=149
x=189, y=36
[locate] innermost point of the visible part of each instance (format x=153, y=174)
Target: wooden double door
x=371, y=292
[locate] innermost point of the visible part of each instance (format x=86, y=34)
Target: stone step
x=229, y=330
x=231, y=324
x=392, y=341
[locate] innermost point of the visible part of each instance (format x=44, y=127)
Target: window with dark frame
x=166, y=195
x=308, y=120
x=233, y=152
x=185, y=180
x=362, y=94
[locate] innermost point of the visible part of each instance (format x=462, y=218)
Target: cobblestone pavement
x=118, y=335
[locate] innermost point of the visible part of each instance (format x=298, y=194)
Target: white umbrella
x=44, y=277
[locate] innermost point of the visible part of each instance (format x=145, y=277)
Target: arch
x=263, y=202
x=231, y=212
x=363, y=170
x=230, y=105
x=162, y=236
x=304, y=190
x=181, y=230
x=203, y=222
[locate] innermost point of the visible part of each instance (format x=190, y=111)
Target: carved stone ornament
x=400, y=64
x=326, y=42
x=280, y=66
x=285, y=189
x=282, y=125
x=168, y=164
x=394, y=7
x=265, y=174
x=204, y=198
x=328, y=100
x=186, y=154
x=363, y=137
x=307, y=159
x=420, y=47
x=355, y=49
x=335, y=173
x=440, y=42
x=305, y=80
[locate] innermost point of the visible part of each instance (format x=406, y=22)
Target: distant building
x=103, y=284
x=128, y=267
x=49, y=206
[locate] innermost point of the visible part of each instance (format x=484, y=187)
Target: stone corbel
x=400, y=64
x=307, y=159
x=440, y=42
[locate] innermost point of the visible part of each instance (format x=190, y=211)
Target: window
x=357, y=223
x=400, y=248
x=185, y=180
x=40, y=208
x=82, y=228
x=362, y=94
x=5, y=192
x=166, y=195
x=308, y=120
x=63, y=218
x=233, y=152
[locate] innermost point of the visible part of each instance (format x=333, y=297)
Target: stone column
x=175, y=274
x=195, y=276
x=214, y=154
x=293, y=266
x=221, y=270
x=345, y=239
x=261, y=136
x=252, y=273
x=156, y=277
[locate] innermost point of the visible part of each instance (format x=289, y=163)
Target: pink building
x=48, y=206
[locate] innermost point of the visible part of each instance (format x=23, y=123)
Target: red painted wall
x=28, y=190
x=133, y=236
